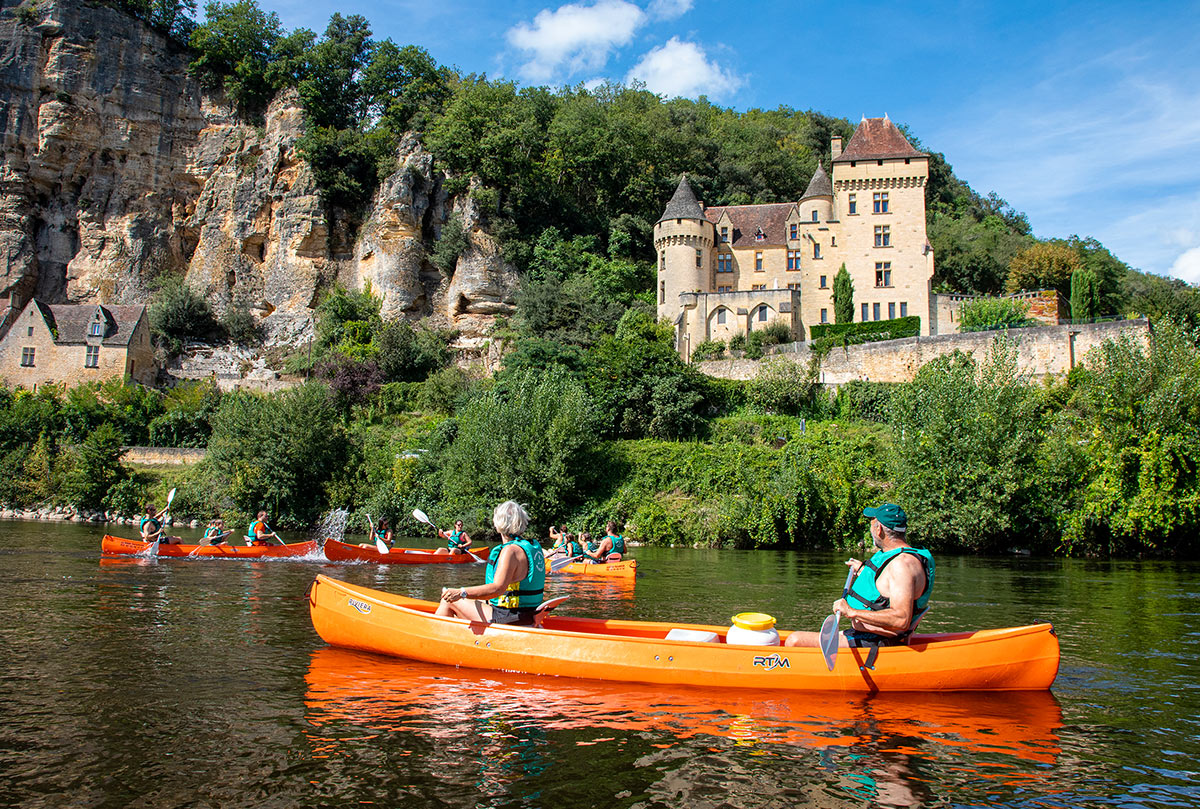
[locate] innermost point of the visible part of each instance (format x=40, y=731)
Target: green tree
x=96, y=468
x=1045, y=265
x=233, y=50
x=1085, y=295
x=178, y=314
x=843, y=296
x=403, y=87
x=982, y=314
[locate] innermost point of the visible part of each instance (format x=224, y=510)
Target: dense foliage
x=986, y=313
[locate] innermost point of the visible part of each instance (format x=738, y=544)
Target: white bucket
x=696, y=635
x=752, y=629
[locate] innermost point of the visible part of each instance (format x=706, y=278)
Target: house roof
x=819, y=186
x=747, y=220
x=69, y=322
x=683, y=204
x=877, y=139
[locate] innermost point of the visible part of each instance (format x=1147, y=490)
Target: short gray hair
x=510, y=518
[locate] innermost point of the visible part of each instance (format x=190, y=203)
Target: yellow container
x=753, y=620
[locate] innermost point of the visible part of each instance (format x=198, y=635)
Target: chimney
x=835, y=146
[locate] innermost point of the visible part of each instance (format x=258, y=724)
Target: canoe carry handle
x=311, y=594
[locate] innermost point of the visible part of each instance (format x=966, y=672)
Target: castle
x=727, y=270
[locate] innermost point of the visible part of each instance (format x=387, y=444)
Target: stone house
x=726, y=270
x=44, y=343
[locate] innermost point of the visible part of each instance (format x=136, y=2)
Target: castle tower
x=879, y=197
x=817, y=248
x=683, y=240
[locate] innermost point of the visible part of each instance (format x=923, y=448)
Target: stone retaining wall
x=1047, y=350
x=161, y=456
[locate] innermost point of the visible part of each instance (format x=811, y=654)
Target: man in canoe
x=457, y=540
x=610, y=543
x=151, y=528
x=889, y=593
x=514, y=580
x=258, y=533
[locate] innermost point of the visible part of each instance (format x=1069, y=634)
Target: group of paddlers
x=258, y=533
x=582, y=548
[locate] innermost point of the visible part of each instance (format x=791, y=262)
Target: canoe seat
x=695, y=635
x=613, y=557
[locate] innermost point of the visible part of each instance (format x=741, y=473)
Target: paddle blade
x=381, y=546
x=170, y=497
x=829, y=640
x=419, y=516
x=558, y=564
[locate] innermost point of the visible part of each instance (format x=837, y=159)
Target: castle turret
x=818, y=198
x=683, y=240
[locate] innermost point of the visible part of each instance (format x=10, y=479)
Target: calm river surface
x=200, y=683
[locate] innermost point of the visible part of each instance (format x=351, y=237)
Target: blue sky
x=1086, y=116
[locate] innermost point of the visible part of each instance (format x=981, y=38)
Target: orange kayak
x=624, y=569
x=353, y=617
x=119, y=546
x=345, y=552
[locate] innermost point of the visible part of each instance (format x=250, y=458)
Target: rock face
x=115, y=167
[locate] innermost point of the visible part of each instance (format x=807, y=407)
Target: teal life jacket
x=574, y=549
x=453, y=541
x=156, y=526
x=618, y=544
x=381, y=535
x=251, y=534
x=212, y=531
x=528, y=591
x=863, y=593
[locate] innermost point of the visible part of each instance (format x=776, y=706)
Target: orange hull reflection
x=391, y=695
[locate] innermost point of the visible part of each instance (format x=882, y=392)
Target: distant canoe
x=345, y=552
x=354, y=617
x=120, y=546
x=623, y=569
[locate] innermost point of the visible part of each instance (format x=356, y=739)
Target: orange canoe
x=346, y=615
x=119, y=546
x=344, y=552
x=624, y=569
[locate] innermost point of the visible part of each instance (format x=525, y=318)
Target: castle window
x=662, y=261
x=794, y=286
x=724, y=262
x=793, y=259
x=880, y=200
x=833, y=241
x=883, y=273
x=662, y=291
x=762, y=314
x=758, y=261
x=907, y=160
x=699, y=257
x=31, y=331
x=864, y=313
x=759, y=236
x=793, y=230
x=725, y=234
x=824, y=315
x=903, y=309
x=721, y=315
x=891, y=311
x=27, y=357
x=97, y=330
x=875, y=308
x=883, y=236
x=878, y=162
x=92, y=360
x=853, y=204
x=816, y=249
x=824, y=282
x=816, y=217
x=853, y=163
x=724, y=289
x=757, y=287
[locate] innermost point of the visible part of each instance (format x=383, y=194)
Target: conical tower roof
x=819, y=185
x=683, y=204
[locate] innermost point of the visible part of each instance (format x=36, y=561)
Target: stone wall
x=162, y=456
x=1041, y=351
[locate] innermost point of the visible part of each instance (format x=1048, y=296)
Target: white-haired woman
x=514, y=580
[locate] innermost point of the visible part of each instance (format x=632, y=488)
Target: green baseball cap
x=889, y=515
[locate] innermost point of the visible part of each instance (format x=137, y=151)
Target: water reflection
x=876, y=748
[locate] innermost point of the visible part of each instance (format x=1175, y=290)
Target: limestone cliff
x=116, y=166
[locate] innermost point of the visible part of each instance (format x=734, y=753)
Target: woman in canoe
x=383, y=532
x=457, y=540
x=215, y=533
x=566, y=544
x=513, y=581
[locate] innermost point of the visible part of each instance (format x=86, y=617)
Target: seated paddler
x=514, y=579
x=889, y=593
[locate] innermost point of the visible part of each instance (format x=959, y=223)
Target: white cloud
x=669, y=9
x=574, y=37
x=1187, y=266
x=683, y=69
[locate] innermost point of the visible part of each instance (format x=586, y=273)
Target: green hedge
x=871, y=330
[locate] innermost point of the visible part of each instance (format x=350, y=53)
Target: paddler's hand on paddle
x=854, y=564
x=843, y=609
x=450, y=594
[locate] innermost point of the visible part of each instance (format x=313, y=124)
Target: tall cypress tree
x=843, y=297
x=1085, y=294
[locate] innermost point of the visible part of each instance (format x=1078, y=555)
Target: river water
x=200, y=683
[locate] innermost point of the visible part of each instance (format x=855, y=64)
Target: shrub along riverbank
x=1101, y=463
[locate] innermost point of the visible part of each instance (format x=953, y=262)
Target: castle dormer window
x=97, y=330
x=759, y=236
x=725, y=234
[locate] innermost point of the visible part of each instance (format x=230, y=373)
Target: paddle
x=209, y=541
x=380, y=545
x=420, y=516
x=829, y=633
x=559, y=563
x=153, y=549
